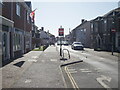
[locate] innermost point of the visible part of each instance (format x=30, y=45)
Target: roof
x=110, y=12
x=81, y=24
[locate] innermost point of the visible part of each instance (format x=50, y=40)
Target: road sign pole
x=61, y=33
x=60, y=47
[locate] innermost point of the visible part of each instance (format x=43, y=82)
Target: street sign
x=61, y=31
x=113, y=30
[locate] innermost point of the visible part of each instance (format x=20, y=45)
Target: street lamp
x=113, y=31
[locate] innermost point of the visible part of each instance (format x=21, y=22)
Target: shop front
x=7, y=26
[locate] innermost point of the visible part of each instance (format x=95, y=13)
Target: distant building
x=35, y=37
x=44, y=37
x=67, y=38
x=82, y=34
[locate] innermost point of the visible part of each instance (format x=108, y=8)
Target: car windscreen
x=78, y=43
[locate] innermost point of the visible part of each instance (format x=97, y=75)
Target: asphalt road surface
x=96, y=70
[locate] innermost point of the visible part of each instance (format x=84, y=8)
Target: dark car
x=77, y=46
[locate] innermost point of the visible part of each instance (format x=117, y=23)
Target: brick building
x=16, y=35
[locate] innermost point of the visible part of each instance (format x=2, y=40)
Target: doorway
x=4, y=45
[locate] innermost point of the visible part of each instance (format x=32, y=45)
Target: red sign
x=113, y=30
x=61, y=31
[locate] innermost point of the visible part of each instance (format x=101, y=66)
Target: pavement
x=13, y=71
x=40, y=70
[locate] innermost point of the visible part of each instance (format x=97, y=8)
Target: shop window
x=17, y=39
x=27, y=42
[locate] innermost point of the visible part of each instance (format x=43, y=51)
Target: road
x=96, y=70
x=84, y=69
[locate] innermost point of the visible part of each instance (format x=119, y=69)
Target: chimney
x=42, y=28
x=82, y=20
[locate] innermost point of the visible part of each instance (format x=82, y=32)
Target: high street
x=39, y=45
x=44, y=69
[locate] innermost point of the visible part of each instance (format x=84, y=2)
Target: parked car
x=60, y=42
x=77, y=46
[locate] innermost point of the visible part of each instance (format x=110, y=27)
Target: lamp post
x=113, y=30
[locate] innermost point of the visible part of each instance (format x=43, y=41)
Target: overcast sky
x=51, y=15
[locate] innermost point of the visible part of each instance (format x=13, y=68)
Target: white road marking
x=27, y=81
x=103, y=78
x=34, y=57
x=85, y=70
x=53, y=59
x=32, y=60
x=72, y=71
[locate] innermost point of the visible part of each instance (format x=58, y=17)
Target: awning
x=5, y=21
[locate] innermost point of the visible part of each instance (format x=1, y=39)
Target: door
x=4, y=45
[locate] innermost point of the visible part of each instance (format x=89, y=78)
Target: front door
x=4, y=45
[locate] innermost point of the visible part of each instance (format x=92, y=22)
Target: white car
x=77, y=46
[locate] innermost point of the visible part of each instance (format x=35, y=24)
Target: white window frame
x=105, y=21
x=18, y=9
x=91, y=25
x=28, y=16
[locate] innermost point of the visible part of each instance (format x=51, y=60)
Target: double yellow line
x=75, y=86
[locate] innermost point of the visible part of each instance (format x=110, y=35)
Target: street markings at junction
x=75, y=86
x=85, y=70
x=72, y=71
x=104, y=78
